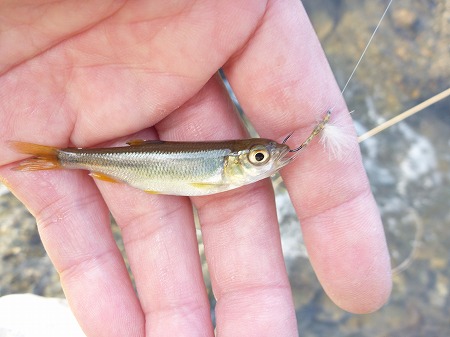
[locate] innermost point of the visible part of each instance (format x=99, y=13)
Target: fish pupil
x=259, y=156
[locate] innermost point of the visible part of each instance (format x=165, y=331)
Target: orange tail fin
x=44, y=157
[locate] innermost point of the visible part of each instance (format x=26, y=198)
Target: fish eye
x=258, y=155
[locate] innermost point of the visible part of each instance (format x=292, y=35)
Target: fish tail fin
x=44, y=157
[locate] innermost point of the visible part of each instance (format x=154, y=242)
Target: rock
x=27, y=315
x=3, y=189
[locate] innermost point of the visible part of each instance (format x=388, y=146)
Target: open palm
x=101, y=72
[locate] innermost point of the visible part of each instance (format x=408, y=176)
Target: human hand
x=81, y=74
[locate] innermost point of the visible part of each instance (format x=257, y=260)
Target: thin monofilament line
x=367, y=46
x=404, y=115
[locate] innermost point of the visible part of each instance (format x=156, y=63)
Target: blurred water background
x=408, y=166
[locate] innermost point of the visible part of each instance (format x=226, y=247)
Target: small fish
x=176, y=168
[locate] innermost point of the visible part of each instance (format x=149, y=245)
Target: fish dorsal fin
x=137, y=142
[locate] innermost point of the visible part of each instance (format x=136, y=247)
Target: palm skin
x=104, y=72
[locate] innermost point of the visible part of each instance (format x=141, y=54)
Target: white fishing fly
x=336, y=136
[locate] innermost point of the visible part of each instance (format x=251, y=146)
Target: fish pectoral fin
x=104, y=177
x=152, y=192
x=137, y=142
x=204, y=185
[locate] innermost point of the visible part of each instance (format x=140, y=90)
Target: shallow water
x=408, y=165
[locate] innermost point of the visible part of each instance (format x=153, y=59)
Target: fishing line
x=398, y=118
x=415, y=244
x=367, y=45
x=333, y=137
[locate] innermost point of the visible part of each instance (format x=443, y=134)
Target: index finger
x=284, y=83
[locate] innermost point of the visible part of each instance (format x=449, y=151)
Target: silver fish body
x=176, y=168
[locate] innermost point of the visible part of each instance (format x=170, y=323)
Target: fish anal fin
x=104, y=177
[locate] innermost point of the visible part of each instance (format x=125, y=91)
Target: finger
x=340, y=221
x=161, y=244
x=240, y=231
x=141, y=62
x=51, y=23
x=73, y=223
x=104, y=66
x=122, y=75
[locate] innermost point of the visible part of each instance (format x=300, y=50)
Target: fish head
x=255, y=159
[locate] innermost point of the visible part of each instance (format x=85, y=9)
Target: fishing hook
x=319, y=127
